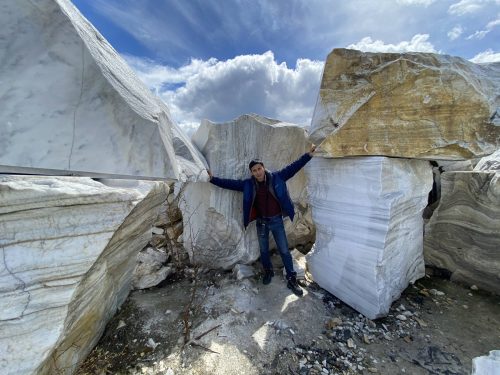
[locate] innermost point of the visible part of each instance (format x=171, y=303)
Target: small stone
x=372, y=369
x=424, y=292
x=465, y=307
x=156, y=230
x=474, y=287
x=401, y=317
x=350, y=343
x=470, y=294
x=121, y=324
x=407, y=313
x=366, y=339
x=436, y=292
x=407, y=339
x=332, y=323
x=420, y=322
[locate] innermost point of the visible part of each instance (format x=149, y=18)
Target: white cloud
x=425, y=3
x=468, y=6
x=486, y=57
x=223, y=90
x=480, y=34
x=455, y=32
x=419, y=43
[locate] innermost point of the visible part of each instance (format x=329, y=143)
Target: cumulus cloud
x=455, y=32
x=419, y=43
x=425, y=3
x=224, y=90
x=486, y=57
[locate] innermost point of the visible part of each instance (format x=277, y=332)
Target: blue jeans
x=275, y=225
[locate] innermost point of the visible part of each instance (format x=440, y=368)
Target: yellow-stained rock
x=412, y=105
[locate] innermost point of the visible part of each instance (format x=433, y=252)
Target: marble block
x=369, y=228
x=487, y=364
x=72, y=106
x=463, y=234
x=68, y=249
x=411, y=105
x=213, y=221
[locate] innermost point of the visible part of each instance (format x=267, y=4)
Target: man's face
x=258, y=172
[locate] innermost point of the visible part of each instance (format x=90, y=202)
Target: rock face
x=68, y=249
x=412, y=105
x=213, y=221
x=368, y=216
x=462, y=235
x=71, y=105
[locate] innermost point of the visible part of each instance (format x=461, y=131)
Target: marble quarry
x=462, y=236
x=410, y=105
x=68, y=250
x=213, y=222
x=368, y=217
x=72, y=106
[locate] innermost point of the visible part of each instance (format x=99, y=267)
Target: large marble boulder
x=412, y=105
x=462, y=235
x=68, y=249
x=72, y=106
x=369, y=228
x=213, y=221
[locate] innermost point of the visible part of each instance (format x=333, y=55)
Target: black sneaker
x=268, y=275
x=294, y=286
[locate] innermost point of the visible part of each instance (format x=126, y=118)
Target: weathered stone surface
x=412, y=105
x=150, y=269
x=213, y=223
x=462, y=235
x=71, y=105
x=368, y=216
x=67, y=252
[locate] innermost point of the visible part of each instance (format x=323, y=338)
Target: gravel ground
x=210, y=323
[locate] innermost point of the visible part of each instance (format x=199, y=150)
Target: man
x=266, y=199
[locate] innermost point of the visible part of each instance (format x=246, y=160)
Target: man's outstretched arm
x=290, y=170
x=225, y=183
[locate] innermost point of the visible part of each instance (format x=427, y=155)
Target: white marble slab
x=369, y=228
x=72, y=106
x=68, y=249
x=213, y=220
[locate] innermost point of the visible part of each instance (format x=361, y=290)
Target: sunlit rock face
x=368, y=217
x=71, y=105
x=213, y=220
x=412, y=105
x=67, y=253
x=462, y=235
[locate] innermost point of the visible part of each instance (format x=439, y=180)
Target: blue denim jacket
x=277, y=187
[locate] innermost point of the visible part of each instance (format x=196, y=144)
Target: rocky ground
x=209, y=322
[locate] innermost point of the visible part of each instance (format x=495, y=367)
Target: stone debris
x=242, y=271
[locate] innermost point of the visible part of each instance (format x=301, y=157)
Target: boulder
x=150, y=269
x=411, y=105
x=213, y=222
x=462, y=235
x=369, y=228
x=68, y=250
x=487, y=364
x=72, y=106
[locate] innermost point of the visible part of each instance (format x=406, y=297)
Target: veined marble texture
x=71, y=105
x=213, y=220
x=369, y=228
x=463, y=234
x=68, y=248
x=411, y=105
x=489, y=163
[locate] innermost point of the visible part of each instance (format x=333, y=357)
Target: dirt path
x=436, y=327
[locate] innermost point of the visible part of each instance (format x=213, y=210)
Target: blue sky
x=218, y=59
